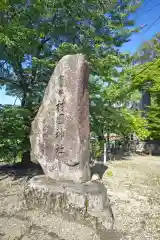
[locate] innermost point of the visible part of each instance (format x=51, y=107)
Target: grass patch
x=109, y=173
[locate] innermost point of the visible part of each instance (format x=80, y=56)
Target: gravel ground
x=134, y=191
x=19, y=223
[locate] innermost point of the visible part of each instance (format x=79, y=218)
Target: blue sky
x=145, y=15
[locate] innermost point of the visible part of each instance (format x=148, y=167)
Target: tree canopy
x=33, y=38
x=147, y=77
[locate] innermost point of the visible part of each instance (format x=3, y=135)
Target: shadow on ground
x=18, y=171
x=98, y=168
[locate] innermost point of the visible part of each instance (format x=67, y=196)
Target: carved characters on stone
x=60, y=118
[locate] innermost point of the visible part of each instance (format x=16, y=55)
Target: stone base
x=83, y=202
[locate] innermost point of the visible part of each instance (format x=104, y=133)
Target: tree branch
x=5, y=81
x=40, y=47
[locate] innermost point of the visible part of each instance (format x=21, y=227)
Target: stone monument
x=60, y=131
x=60, y=143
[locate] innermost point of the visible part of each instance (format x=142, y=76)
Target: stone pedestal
x=83, y=202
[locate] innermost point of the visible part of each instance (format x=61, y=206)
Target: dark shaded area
x=19, y=170
x=109, y=234
x=26, y=158
x=98, y=168
x=145, y=102
x=152, y=147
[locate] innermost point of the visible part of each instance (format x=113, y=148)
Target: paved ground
x=134, y=191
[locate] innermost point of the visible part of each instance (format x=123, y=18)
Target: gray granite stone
x=60, y=130
x=60, y=143
x=87, y=202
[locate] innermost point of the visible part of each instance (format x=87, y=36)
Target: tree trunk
x=26, y=158
x=145, y=102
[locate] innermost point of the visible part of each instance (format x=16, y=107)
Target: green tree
x=13, y=131
x=116, y=110
x=147, y=78
x=34, y=37
x=148, y=50
x=146, y=53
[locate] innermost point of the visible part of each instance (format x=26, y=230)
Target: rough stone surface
x=86, y=202
x=95, y=177
x=60, y=131
x=20, y=223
